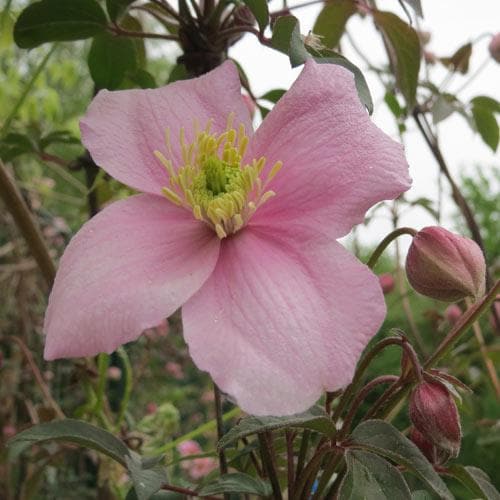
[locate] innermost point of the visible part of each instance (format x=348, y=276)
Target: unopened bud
x=445, y=266
x=494, y=47
x=386, y=282
x=434, y=414
x=436, y=456
x=452, y=313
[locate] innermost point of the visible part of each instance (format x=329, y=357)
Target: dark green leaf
x=416, y=6
x=315, y=419
x=404, y=47
x=15, y=144
x=237, y=482
x=72, y=431
x=287, y=39
x=131, y=23
x=263, y=110
x=383, y=439
x=142, y=79
x=359, y=79
x=486, y=102
x=372, y=478
x=273, y=95
x=459, y=61
x=148, y=475
x=58, y=20
x=116, y=8
x=393, y=104
x=421, y=495
x=178, y=72
x=476, y=480
x=58, y=137
x=110, y=58
x=330, y=24
x=486, y=125
x=260, y=10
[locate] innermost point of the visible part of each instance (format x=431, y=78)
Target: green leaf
x=416, y=6
x=444, y=106
x=330, y=24
x=148, y=474
x=116, y=8
x=359, y=79
x=58, y=20
x=273, y=95
x=263, y=110
x=486, y=102
x=385, y=440
x=15, y=144
x=287, y=39
x=421, y=495
x=315, y=419
x=486, y=125
x=260, y=10
x=179, y=72
x=476, y=480
x=131, y=23
x=372, y=478
x=58, y=137
x=110, y=58
x=459, y=61
x=73, y=431
x=237, y=482
x=404, y=47
x=393, y=104
x=142, y=79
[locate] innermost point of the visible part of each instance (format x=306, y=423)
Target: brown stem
x=220, y=428
x=185, y=491
x=20, y=212
x=117, y=30
x=290, y=436
x=265, y=441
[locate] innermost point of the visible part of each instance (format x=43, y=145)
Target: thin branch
x=117, y=30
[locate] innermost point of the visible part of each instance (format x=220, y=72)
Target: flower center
x=212, y=181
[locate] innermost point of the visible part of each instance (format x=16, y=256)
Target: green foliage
x=58, y=20
x=459, y=60
x=260, y=10
x=405, y=50
x=117, y=8
x=477, y=481
x=332, y=19
x=483, y=111
x=237, y=482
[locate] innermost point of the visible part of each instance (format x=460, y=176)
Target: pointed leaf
x=273, y=95
x=476, y=480
x=71, y=431
x=372, y=478
x=315, y=419
x=404, y=47
x=287, y=39
x=459, y=61
x=385, y=440
x=486, y=125
x=260, y=11
x=58, y=20
x=237, y=482
x=116, y=8
x=330, y=24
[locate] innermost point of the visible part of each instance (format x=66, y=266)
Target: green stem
x=20, y=212
x=385, y=243
x=127, y=371
x=26, y=91
x=268, y=463
x=304, y=445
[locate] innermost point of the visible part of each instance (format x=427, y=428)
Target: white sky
x=452, y=24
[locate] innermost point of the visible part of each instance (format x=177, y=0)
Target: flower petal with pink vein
x=336, y=162
x=282, y=319
x=129, y=267
x=122, y=129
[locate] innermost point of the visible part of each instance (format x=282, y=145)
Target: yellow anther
x=212, y=181
x=173, y=197
x=220, y=231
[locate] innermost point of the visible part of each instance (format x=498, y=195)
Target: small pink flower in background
x=151, y=408
x=8, y=431
x=189, y=448
x=494, y=47
x=174, y=369
x=452, y=313
x=238, y=227
x=114, y=373
x=158, y=332
x=386, y=282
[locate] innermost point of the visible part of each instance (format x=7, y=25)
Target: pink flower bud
x=189, y=448
x=151, y=408
x=430, y=57
x=8, y=431
x=174, y=369
x=494, y=47
x=445, y=266
x=452, y=313
x=436, y=456
x=114, y=373
x=386, y=282
x=434, y=414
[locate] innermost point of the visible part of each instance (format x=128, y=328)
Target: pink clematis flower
x=237, y=227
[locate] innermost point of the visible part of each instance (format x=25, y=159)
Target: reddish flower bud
x=436, y=456
x=452, y=313
x=445, y=266
x=434, y=414
x=386, y=282
x=494, y=47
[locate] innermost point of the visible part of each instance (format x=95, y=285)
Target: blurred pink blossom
x=239, y=228
x=386, y=282
x=151, y=408
x=452, y=313
x=494, y=47
x=174, y=369
x=189, y=447
x=114, y=373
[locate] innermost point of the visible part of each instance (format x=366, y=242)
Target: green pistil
x=217, y=176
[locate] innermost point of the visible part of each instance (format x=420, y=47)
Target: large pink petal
x=280, y=321
x=122, y=129
x=337, y=163
x=129, y=267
